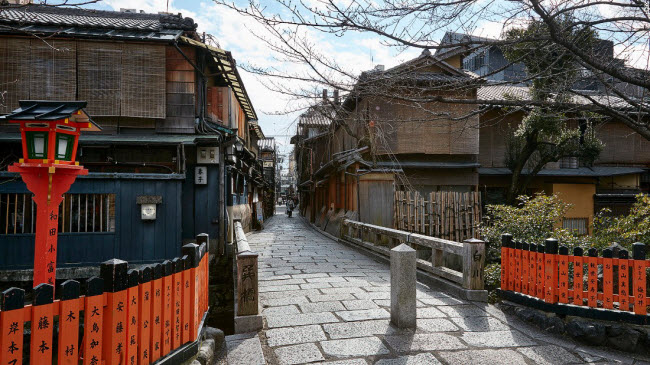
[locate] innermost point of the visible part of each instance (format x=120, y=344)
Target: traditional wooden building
x=179, y=133
x=397, y=161
x=378, y=144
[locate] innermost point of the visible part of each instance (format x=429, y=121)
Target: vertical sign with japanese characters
x=638, y=254
x=524, y=268
x=156, y=313
x=608, y=279
x=578, y=276
x=592, y=278
x=42, y=325
x=563, y=289
x=114, y=273
x=132, y=318
x=186, y=300
x=532, y=270
x=69, y=308
x=623, y=281
x=144, y=330
x=177, y=298
x=247, y=284
x=167, y=307
x=12, y=316
x=518, y=266
x=540, y=271
x=93, y=322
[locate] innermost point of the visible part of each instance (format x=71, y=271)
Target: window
x=78, y=213
x=64, y=143
x=36, y=144
x=578, y=225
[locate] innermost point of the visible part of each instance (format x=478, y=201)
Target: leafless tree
x=619, y=83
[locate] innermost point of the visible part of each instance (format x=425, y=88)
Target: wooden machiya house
x=179, y=134
x=612, y=181
x=378, y=146
x=389, y=159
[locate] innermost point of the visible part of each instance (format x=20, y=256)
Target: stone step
x=244, y=349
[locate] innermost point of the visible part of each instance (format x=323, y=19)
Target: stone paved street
x=325, y=302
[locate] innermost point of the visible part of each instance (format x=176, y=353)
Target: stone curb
x=615, y=335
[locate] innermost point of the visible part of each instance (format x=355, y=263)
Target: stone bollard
x=402, y=286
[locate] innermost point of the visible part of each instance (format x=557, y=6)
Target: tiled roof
x=319, y=115
x=505, y=92
x=55, y=15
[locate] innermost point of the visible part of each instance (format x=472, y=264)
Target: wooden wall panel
x=143, y=81
x=53, y=70
x=100, y=77
x=14, y=76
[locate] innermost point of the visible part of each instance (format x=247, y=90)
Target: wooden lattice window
x=577, y=225
x=78, y=213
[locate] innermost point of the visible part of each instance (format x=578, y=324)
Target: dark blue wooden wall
x=134, y=240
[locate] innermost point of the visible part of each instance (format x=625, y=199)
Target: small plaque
x=200, y=175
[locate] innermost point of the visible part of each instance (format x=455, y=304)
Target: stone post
x=402, y=286
x=473, y=264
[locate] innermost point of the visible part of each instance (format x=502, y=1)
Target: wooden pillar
x=69, y=310
x=114, y=273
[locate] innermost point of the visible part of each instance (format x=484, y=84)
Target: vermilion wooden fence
x=125, y=317
x=548, y=273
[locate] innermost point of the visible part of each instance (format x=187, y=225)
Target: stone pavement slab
x=323, y=302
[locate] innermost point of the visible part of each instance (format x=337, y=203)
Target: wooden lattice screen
x=444, y=214
x=14, y=76
x=53, y=70
x=100, y=77
x=143, y=81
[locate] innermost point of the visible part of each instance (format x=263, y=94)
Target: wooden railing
x=549, y=274
x=125, y=317
x=382, y=239
x=247, y=279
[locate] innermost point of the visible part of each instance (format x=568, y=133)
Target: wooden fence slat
x=192, y=251
x=93, y=321
x=623, y=281
x=186, y=299
x=518, y=276
x=638, y=255
x=167, y=307
x=41, y=346
x=144, y=314
x=156, y=313
x=563, y=281
x=177, y=300
x=114, y=273
x=525, y=256
x=592, y=277
x=540, y=271
x=133, y=317
x=608, y=279
x=511, y=266
x=550, y=258
x=578, y=276
x=69, y=311
x=505, y=255
x=532, y=270
x=12, y=318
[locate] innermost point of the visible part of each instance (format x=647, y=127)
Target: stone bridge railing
x=247, y=317
x=468, y=282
